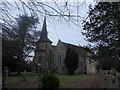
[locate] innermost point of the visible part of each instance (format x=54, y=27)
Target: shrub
x=50, y=81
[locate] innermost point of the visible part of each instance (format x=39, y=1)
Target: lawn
x=80, y=80
x=66, y=81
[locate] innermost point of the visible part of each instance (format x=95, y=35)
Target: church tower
x=43, y=53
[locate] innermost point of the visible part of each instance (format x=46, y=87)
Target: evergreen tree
x=105, y=59
x=103, y=27
x=18, y=41
x=71, y=61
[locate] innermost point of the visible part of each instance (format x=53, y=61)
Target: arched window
x=60, y=59
x=53, y=59
x=81, y=64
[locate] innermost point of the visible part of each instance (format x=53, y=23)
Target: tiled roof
x=80, y=50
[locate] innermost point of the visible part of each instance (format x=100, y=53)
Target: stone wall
x=90, y=66
x=59, y=56
x=60, y=52
x=52, y=58
x=44, y=57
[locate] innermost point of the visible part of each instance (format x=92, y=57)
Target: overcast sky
x=67, y=31
x=58, y=28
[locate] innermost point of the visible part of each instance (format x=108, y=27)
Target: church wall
x=81, y=66
x=59, y=57
x=48, y=57
x=43, y=55
x=61, y=50
x=53, y=59
x=90, y=66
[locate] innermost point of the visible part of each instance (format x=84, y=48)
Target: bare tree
x=68, y=11
x=60, y=11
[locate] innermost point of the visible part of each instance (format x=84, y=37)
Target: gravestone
x=4, y=80
x=113, y=72
x=24, y=76
x=109, y=82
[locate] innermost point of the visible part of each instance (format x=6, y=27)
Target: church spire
x=44, y=29
x=43, y=35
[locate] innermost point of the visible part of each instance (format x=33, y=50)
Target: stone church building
x=50, y=59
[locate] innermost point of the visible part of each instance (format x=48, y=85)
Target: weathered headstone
x=24, y=76
x=109, y=82
x=113, y=72
x=4, y=80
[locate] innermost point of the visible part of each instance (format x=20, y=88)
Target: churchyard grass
x=66, y=81
x=32, y=75
x=79, y=80
x=64, y=77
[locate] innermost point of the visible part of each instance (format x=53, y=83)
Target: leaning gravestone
x=5, y=75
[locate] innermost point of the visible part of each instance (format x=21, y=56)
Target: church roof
x=79, y=49
x=43, y=35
